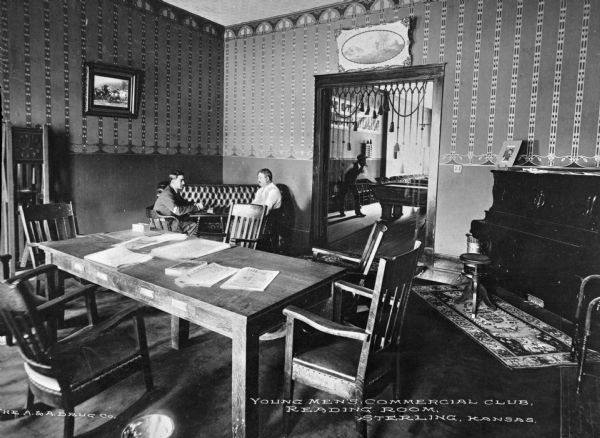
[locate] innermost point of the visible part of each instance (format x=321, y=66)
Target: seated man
x=269, y=195
x=170, y=203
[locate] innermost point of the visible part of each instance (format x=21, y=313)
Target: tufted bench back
x=219, y=196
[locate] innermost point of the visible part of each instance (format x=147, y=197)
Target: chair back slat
x=368, y=255
x=245, y=221
x=390, y=297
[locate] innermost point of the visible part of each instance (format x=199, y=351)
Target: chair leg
x=91, y=307
x=69, y=425
x=361, y=425
x=143, y=345
x=30, y=399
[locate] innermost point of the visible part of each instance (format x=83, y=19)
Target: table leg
x=244, y=380
x=180, y=332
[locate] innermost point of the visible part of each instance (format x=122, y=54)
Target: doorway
x=392, y=118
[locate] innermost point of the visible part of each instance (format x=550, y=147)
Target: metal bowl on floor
x=150, y=426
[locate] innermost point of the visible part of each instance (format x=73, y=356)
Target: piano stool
x=472, y=263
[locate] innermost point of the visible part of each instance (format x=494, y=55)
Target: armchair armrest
x=202, y=233
x=324, y=325
x=321, y=251
x=354, y=289
x=41, y=270
x=50, y=306
x=89, y=333
x=235, y=240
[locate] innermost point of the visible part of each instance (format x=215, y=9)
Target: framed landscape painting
x=111, y=91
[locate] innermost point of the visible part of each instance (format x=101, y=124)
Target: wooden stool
x=474, y=260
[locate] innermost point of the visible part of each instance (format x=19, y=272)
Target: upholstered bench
x=219, y=196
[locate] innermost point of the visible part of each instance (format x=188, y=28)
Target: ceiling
x=229, y=12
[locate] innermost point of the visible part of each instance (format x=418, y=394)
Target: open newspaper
x=147, y=243
x=206, y=275
x=118, y=257
x=250, y=279
x=189, y=249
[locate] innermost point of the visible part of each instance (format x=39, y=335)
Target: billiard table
x=393, y=196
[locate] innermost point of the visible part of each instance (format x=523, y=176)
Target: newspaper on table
x=118, y=257
x=184, y=268
x=206, y=275
x=250, y=279
x=146, y=243
x=189, y=249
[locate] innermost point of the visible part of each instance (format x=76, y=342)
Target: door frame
x=323, y=90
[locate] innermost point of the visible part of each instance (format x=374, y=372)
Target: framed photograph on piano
x=509, y=152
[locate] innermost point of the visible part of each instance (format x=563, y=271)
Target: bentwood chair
x=587, y=308
x=347, y=361
x=67, y=372
x=49, y=222
x=245, y=225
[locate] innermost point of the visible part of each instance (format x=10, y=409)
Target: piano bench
x=471, y=262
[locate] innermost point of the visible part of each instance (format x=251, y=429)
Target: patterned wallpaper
x=45, y=43
x=516, y=70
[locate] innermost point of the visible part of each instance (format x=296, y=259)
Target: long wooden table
x=238, y=314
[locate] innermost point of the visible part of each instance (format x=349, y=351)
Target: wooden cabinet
x=25, y=181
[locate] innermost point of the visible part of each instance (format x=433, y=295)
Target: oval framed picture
x=379, y=46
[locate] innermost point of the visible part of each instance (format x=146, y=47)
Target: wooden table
x=240, y=315
x=393, y=196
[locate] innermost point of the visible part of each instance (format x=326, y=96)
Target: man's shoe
x=342, y=214
x=360, y=214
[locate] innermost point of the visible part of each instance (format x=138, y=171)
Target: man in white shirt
x=269, y=195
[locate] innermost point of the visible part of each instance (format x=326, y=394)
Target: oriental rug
x=512, y=336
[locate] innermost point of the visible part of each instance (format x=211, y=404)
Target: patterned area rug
x=515, y=338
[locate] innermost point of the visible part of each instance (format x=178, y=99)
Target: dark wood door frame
x=323, y=90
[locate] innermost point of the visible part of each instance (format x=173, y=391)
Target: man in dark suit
x=349, y=185
x=170, y=203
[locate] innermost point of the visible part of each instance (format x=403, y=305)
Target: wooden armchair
x=347, y=361
x=46, y=222
x=67, y=372
x=245, y=225
x=49, y=222
x=359, y=267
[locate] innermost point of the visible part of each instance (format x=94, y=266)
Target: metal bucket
x=150, y=426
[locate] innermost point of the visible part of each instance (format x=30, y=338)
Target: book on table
x=189, y=249
x=250, y=279
x=206, y=275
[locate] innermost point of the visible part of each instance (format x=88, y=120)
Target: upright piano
x=542, y=233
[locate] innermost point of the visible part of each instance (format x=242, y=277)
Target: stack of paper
x=189, y=249
x=250, y=279
x=206, y=275
x=118, y=257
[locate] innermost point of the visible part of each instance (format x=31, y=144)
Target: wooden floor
x=351, y=233
x=474, y=395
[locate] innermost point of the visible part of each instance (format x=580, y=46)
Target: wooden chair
x=161, y=222
x=49, y=222
x=347, y=361
x=587, y=307
x=359, y=267
x=67, y=372
x=46, y=222
x=245, y=225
